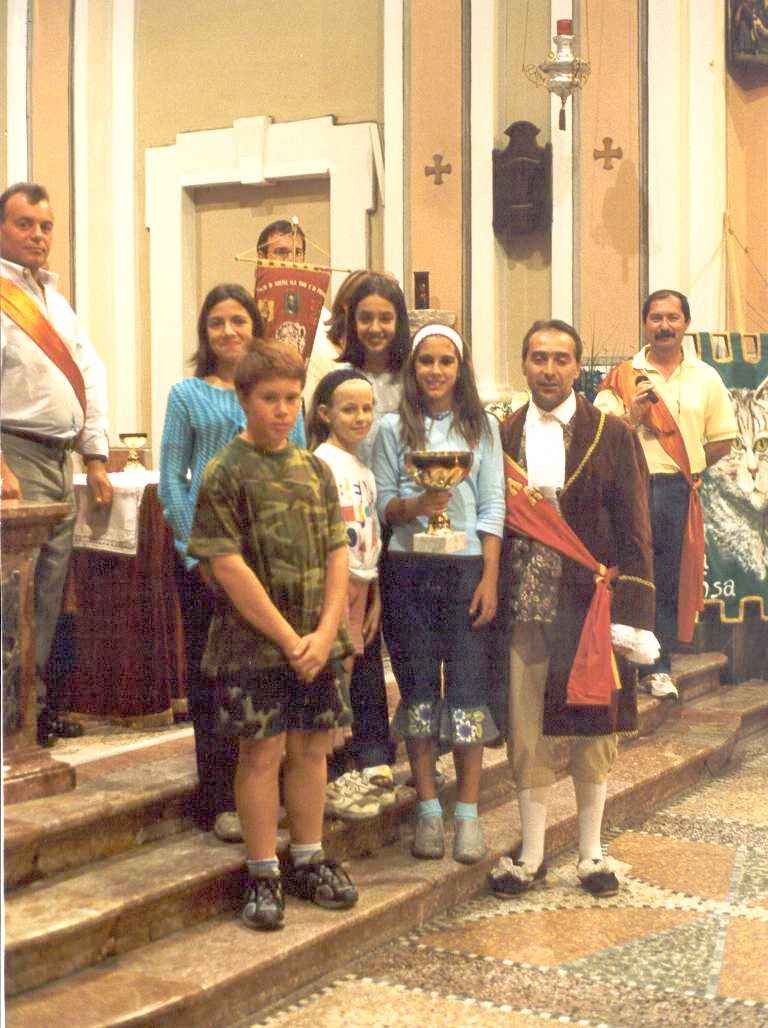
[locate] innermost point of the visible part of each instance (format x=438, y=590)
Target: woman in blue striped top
x=202, y=416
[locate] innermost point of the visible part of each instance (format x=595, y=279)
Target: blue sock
x=262, y=868
x=465, y=811
x=430, y=808
x=302, y=853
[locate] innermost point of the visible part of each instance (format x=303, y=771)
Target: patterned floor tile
x=683, y=953
x=555, y=937
x=745, y=961
x=696, y=868
x=356, y=1003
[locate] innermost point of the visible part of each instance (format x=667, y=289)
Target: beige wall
x=3, y=95
x=608, y=206
x=747, y=127
x=201, y=66
x=434, y=127
x=523, y=266
x=50, y=135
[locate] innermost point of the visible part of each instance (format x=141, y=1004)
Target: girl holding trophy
x=439, y=587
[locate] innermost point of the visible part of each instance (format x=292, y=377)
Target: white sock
x=533, y=819
x=590, y=803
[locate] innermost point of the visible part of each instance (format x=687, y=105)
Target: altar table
x=129, y=646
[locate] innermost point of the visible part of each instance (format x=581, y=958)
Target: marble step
x=145, y=800
x=239, y=972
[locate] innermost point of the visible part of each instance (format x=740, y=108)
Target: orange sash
x=594, y=675
x=621, y=380
x=21, y=309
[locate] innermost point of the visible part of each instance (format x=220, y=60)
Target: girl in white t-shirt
x=340, y=418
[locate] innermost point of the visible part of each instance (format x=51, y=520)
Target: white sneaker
x=660, y=685
x=351, y=798
x=381, y=780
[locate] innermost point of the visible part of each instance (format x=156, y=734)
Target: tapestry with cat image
x=734, y=492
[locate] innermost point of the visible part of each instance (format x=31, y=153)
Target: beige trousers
x=532, y=755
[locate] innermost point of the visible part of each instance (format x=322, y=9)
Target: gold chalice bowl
x=439, y=469
x=135, y=441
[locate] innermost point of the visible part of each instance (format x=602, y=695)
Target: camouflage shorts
x=260, y=704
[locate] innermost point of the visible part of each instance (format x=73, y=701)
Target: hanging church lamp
x=562, y=72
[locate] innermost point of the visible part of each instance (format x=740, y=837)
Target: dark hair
x=663, y=294
x=204, y=359
x=269, y=359
x=317, y=429
x=281, y=227
x=468, y=414
x=554, y=325
x=336, y=325
x=388, y=289
x=34, y=192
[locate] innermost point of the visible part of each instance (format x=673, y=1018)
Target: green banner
x=734, y=492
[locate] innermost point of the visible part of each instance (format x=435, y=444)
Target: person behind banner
x=683, y=416
x=437, y=608
x=53, y=402
x=586, y=471
x=203, y=415
x=285, y=241
x=269, y=527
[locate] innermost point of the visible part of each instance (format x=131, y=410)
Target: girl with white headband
x=437, y=609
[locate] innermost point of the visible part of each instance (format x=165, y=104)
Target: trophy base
x=446, y=540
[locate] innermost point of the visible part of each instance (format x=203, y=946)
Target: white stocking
x=590, y=803
x=533, y=819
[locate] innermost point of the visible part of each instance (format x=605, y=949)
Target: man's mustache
x=665, y=334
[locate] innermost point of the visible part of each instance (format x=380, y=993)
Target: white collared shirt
x=545, y=445
x=35, y=395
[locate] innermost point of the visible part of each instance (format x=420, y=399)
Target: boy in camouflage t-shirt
x=269, y=528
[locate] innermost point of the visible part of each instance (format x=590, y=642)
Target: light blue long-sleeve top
x=200, y=419
x=477, y=504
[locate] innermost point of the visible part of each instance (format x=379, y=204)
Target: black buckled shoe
x=321, y=881
x=264, y=907
x=512, y=878
x=66, y=729
x=597, y=878
x=46, y=736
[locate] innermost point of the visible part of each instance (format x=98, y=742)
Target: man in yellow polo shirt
x=702, y=413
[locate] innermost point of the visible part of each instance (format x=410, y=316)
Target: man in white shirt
x=590, y=468
x=52, y=402
x=683, y=416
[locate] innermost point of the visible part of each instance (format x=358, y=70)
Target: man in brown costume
x=590, y=468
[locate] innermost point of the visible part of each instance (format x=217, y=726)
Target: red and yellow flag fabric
x=621, y=380
x=594, y=675
x=290, y=298
x=24, y=311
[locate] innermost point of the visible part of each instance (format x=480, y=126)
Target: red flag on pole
x=290, y=298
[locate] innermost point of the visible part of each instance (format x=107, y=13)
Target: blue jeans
x=427, y=628
x=668, y=503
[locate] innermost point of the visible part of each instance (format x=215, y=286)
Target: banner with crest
x=290, y=298
x=734, y=492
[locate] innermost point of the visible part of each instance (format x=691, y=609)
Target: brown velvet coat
x=605, y=501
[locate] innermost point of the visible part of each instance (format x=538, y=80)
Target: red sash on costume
x=594, y=676
x=621, y=380
x=21, y=309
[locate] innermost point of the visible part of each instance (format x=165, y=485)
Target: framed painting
x=746, y=34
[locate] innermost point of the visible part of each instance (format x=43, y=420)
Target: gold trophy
x=134, y=441
x=439, y=469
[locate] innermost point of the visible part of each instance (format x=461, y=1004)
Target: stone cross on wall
x=438, y=169
x=607, y=154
